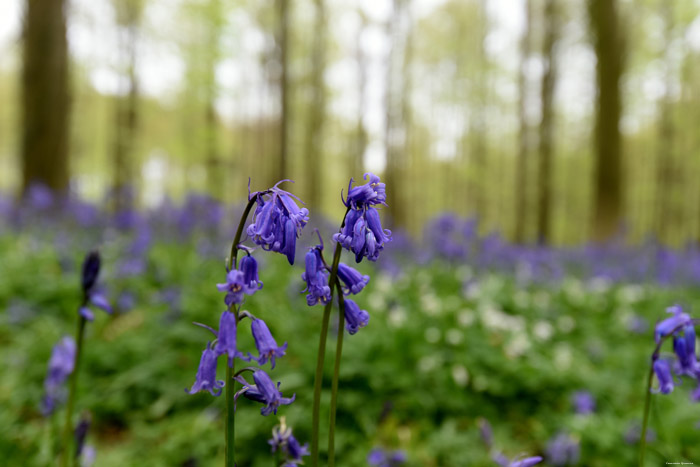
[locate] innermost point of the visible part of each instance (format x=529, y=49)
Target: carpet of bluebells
x=476, y=351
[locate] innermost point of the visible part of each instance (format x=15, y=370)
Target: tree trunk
x=45, y=96
x=361, y=138
x=608, y=45
x=283, y=57
x=524, y=136
x=314, y=127
x=215, y=169
x=544, y=198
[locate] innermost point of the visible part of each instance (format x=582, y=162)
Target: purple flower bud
x=353, y=281
x=264, y=391
x=372, y=192
x=486, y=432
x=249, y=267
x=61, y=365
x=226, y=341
x=266, y=344
x=91, y=269
x=86, y=313
x=584, y=403
x=355, y=318
x=206, y=374
x=316, y=278
x=527, y=462
x=81, y=432
x=100, y=301
x=663, y=373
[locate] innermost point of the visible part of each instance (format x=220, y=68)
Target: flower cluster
x=316, y=278
x=264, y=391
x=284, y=441
x=91, y=270
x=277, y=221
x=681, y=327
x=382, y=458
x=61, y=365
x=240, y=282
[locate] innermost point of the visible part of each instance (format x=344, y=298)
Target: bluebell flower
x=355, y=318
x=284, y=440
x=316, y=278
x=563, y=450
x=206, y=374
x=503, y=461
x=91, y=269
x=251, y=281
x=264, y=391
x=234, y=287
x=362, y=234
x=382, y=458
x=100, y=301
x=371, y=193
x=61, y=365
x=353, y=281
x=277, y=221
x=265, y=343
x=684, y=347
x=584, y=403
x=226, y=337
x=88, y=457
x=81, y=432
x=663, y=372
x=667, y=326
x=486, y=432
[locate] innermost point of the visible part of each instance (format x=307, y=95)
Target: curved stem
x=336, y=374
x=68, y=428
x=230, y=432
x=318, y=378
x=647, y=402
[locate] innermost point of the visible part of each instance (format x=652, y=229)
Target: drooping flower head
x=265, y=343
x=277, y=221
x=363, y=234
x=353, y=281
x=355, y=318
x=284, y=440
x=662, y=369
x=316, y=278
x=226, y=337
x=61, y=365
x=669, y=325
x=206, y=374
x=264, y=391
x=371, y=193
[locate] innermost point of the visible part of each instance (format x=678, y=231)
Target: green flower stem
x=318, y=378
x=67, y=448
x=230, y=433
x=336, y=374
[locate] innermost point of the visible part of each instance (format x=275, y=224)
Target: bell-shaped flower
x=226, y=337
x=662, y=369
x=672, y=324
x=265, y=343
x=206, y=374
x=316, y=278
x=251, y=281
x=234, y=287
x=264, y=391
x=363, y=234
x=353, y=281
x=372, y=192
x=61, y=365
x=355, y=318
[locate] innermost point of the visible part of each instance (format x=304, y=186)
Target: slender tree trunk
x=215, y=168
x=360, y=139
x=524, y=135
x=544, y=198
x=283, y=53
x=608, y=45
x=45, y=96
x=314, y=127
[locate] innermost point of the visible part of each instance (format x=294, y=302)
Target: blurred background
x=554, y=121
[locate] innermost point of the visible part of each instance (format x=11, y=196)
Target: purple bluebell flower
x=695, y=395
x=563, y=450
x=98, y=300
x=362, y=234
x=251, y=281
x=667, y=326
x=371, y=193
x=584, y=403
x=61, y=365
x=264, y=391
x=234, y=287
x=684, y=347
x=382, y=458
x=486, y=432
x=355, y=318
x=88, y=457
x=226, y=337
x=663, y=372
x=206, y=374
x=91, y=269
x=81, y=432
x=527, y=462
x=277, y=221
x=316, y=278
x=352, y=280
x=266, y=344
x=284, y=440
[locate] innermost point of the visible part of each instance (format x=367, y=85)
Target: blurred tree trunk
x=360, y=138
x=544, y=197
x=317, y=106
x=397, y=118
x=280, y=171
x=608, y=45
x=215, y=169
x=524, y=135
x=126, y=108
x=477, y=126
x=45, y=96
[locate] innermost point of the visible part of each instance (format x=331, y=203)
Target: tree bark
x=524, y=136
x=283, y=57
x=45, y=96
x=608, y=45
